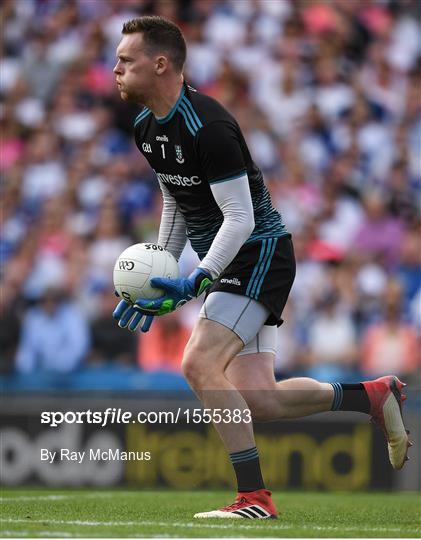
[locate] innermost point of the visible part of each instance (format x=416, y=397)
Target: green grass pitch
x=114, y=513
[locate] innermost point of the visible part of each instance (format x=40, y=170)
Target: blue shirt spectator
x=55, y=336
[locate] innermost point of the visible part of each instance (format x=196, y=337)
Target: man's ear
x=161, y=64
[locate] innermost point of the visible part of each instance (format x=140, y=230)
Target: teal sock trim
x=244, y=455
x=338, y=395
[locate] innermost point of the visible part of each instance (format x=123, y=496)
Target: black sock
x=350, y=397
x=247, y=470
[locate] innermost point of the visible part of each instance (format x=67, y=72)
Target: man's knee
x=191, y=370
x=196, y=365
x=209, y=350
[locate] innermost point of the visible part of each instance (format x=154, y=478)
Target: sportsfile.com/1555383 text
x=114, y=415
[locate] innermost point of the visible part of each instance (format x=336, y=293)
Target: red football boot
x=386, y=410
x=253, y=505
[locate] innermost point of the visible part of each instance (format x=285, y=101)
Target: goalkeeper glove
x=178, y=292
x=129, y=317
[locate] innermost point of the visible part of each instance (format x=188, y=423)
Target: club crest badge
x=178, y=154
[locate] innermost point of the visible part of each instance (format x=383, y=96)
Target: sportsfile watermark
x=113, y=415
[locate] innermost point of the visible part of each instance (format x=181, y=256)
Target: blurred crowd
x=327, y=93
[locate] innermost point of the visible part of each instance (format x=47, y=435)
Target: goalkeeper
x=214, y=194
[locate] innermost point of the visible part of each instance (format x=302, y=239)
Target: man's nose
x=117, y=68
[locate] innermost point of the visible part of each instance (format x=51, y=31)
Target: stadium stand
x=327, y=94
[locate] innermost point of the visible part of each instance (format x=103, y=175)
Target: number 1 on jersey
x=163, y=150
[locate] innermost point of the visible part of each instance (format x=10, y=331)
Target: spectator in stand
x=52, y=244
x=44, y=174
x=390, y=346
x=331, y=341
x=409, y=270
x=9, y=329
x=108, y=343
x=108, y=242
x=340, y=218
x=380, y=233
x=55, y=336
x=162, y=349
x=401, y=193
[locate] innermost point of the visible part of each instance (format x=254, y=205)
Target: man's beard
x=126, y=96
x=130, y=97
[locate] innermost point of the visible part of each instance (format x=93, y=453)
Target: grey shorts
x=245, y=317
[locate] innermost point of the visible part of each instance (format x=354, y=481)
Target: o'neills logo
x=178, y=180
x=232, y=281
x=162, y=138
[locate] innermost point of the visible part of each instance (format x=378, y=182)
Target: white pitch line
x=199, y=525
x=52, y=497
x=64, y=534
x=35, y=498
x=58, y=534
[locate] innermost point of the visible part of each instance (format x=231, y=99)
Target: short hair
x=160, y=34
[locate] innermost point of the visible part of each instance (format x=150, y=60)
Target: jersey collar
x=168, y=117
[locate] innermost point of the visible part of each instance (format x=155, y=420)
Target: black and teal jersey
x=196, y=145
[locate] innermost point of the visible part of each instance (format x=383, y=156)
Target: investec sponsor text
x=178, y=179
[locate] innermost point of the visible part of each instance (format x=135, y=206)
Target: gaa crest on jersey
x=178, y=154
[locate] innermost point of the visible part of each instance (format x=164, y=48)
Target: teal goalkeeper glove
x=128, y=317
x=178, y=292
